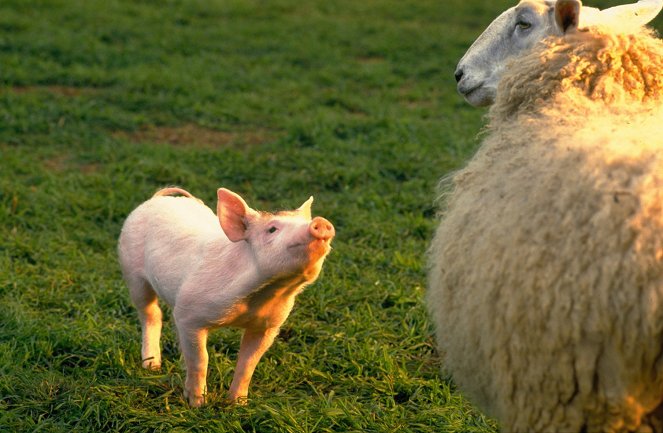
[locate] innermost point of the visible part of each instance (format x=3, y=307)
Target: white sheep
x=546, y=271
x=519, y=28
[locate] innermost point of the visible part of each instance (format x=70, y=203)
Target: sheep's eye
x=271, y=229
x=523, y=25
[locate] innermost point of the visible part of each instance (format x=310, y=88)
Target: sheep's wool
x=546, y=271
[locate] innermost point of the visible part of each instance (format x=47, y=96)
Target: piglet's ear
x=567, y=14
x=233, y=213
x=305, y=209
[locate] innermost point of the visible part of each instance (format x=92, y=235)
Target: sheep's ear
x=633, y=15
x=567, y=14
x=233, y=213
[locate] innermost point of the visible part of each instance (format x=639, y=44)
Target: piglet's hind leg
x=254, y=345
x=149, y=313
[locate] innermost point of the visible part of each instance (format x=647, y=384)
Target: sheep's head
x=521, y=27
x=581, y=72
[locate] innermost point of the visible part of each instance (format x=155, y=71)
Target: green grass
x=103, y=102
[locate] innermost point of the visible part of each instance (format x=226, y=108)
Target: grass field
x=102, y=102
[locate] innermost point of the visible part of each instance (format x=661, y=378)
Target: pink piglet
x=240, y=268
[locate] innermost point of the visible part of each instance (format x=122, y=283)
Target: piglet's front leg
x=254, y=344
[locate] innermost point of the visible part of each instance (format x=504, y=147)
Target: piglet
x=240, y=268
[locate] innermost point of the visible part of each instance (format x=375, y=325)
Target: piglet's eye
x=271, y=229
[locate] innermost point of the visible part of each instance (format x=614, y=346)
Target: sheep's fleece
x=546, y=271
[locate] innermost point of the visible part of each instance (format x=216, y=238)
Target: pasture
x=353, y=102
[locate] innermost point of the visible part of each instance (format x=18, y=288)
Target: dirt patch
x=196, y=136
x=418, y=104
x=370, y=60
x=57, y=163
x=413, y=100
x=89, y=168
x=62, y=163
x=68, y=91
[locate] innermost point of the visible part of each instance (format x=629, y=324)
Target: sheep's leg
x=254, y=344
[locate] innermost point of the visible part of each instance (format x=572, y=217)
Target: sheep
x=519, y=28
x=545, y=274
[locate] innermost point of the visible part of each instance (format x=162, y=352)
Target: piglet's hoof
x=237, y=401
x=151, y=364
x=194, y=400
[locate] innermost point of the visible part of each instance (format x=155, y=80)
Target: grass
x=104, y=102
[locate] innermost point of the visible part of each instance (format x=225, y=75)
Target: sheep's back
x=546, y=272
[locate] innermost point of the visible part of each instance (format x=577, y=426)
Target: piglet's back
x=164, y=235
x=161, y=218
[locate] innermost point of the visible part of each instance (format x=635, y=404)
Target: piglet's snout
x=320, y=228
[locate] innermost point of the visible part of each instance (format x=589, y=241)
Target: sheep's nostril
x=458, y=75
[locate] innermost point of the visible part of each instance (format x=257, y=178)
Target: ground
x=104, y=102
